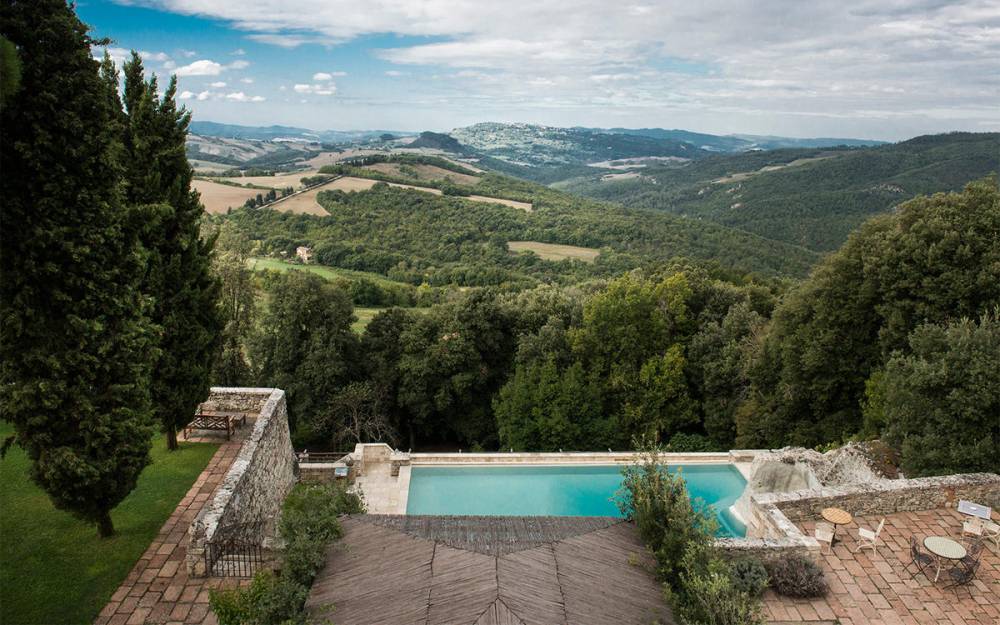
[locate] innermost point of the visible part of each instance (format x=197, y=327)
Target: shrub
x=658, y=502
x=749, y=576
x=308, y=524
x=682, y=442
x=699, y=584
x=713, y=599
x=797, y=576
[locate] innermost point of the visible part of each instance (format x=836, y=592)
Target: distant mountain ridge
x=740, y=142
x=538, y=145
x=271, y=133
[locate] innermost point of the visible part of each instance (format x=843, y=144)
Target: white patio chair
x=868, y=538
x=973, y=526
x=824, y=534
x=991, y=532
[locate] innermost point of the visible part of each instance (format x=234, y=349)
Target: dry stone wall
x=771, y=517
x=247, y=503
x=889, y=496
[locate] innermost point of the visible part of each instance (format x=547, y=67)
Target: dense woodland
x=813, y=204
x=121, y=302
x=418, y=237
x=694, y=358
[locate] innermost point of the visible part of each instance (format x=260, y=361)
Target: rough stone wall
x=771, y=517
x=238, y=399
x=889, y=496
x=247, y=504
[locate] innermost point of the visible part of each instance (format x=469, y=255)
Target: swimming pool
x=564, y=490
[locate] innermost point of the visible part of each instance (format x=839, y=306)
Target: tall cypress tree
x=76, y=345
x=179, y=278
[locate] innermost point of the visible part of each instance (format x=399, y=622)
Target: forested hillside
x=693, y=358
x=417, y=237
x=814, y=201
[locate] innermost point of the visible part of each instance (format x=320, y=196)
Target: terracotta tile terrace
x=867, y=588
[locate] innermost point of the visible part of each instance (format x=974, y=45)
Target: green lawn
x=323, y=271
x=54, y=570
x=364, y=315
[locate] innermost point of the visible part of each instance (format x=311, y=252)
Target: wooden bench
x=219, y=420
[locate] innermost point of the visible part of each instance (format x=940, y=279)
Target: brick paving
x=866, y=588
x=158, y=589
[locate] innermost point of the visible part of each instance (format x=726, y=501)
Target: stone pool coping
x=383, y=475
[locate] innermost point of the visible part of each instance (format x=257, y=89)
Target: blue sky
x=885, y=69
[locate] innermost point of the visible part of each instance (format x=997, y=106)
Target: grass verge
x=54, y=569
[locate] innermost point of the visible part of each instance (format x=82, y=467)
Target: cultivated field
x=276, y=182
x=217, y=198
x=554, y=251
x=330, y=273
x=525, y=206
x=424, y=172
x=622, y=176
x=304, y=203
x=208, y=166
x=746, y=174
x=350, y=183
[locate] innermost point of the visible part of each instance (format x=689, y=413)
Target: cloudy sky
x=884, y=69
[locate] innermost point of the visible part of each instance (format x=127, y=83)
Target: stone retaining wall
x=247, y=503
x=889, y=496
x=771, y=517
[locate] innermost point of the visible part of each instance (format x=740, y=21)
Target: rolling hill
x=808, y=197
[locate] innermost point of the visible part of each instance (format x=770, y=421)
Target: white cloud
x=235, y=96
x=204, y=67
x=238, y=52
x=290, y=41
x=316, y=88
x=217, y=85
x=246, y=80
x=722, y=58
x=187, y=54
x=394, y=73
x=207, y=67
x=327, y=75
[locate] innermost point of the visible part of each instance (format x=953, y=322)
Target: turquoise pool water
x=574, y=490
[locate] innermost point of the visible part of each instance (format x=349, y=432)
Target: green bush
x=797, y=576
x=749, y=576
x=308, y=524
x=682, y=442
x=699, y=584
x=658, y=502
x=710, y=597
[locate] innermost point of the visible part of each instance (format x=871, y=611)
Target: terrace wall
x=771, y=517
x=248, y=503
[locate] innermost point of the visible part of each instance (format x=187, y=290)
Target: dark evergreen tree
x=238, y=305
x=179, y=279
x=77, y=347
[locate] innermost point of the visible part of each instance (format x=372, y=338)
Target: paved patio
x=158, y=589
x=866, y=588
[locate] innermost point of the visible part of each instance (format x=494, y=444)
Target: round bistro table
x=837, y=517
x=943, y=549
